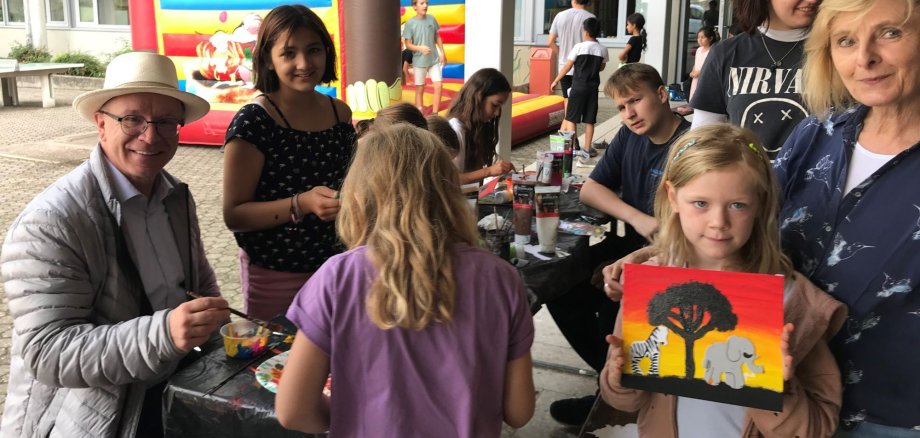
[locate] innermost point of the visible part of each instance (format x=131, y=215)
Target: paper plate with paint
x=268, y=374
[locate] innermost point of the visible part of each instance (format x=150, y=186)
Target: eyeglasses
x=136, y=125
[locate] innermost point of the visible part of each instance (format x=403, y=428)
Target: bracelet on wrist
x=296, y=214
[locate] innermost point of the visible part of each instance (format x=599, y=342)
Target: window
x=55, y=10
x=523, y=21
x=607, y=12
x=107, y=12
x=517, y=17
x=12, y=11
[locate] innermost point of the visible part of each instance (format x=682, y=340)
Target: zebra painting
x=649, y=348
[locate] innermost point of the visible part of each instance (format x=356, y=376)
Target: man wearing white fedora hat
x=96, y=269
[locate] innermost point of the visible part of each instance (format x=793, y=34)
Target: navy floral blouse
x=862, y=247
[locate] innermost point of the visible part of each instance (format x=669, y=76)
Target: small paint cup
x=244, y=339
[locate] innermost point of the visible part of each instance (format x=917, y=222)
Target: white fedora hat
x=140, y=72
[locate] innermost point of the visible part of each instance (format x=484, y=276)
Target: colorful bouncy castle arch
x=211, y=42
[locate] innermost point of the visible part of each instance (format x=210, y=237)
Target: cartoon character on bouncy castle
x=211, y=43
x=224, y=63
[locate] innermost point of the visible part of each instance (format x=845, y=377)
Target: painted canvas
x=711, y=335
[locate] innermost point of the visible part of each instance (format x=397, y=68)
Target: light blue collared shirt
x=150, y=239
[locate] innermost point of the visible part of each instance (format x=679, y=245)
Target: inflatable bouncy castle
x=211, y=43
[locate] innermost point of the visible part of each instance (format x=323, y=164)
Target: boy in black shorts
x=588, y=58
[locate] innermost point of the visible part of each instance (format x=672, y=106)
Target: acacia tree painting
x=691, y=310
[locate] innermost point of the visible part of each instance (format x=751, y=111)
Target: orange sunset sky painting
x=756, y=299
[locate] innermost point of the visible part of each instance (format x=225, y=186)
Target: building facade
x=100, y=27
x=671, y=26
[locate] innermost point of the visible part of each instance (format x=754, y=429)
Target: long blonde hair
x=717, y=147
x=822, y=88
x=402, y=199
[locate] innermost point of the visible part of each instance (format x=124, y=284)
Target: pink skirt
x=268, y=293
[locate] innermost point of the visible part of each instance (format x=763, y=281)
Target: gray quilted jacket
x=81, y=354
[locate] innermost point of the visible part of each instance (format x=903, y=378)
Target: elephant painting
x=723, y=361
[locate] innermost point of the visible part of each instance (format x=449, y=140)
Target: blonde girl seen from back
x=717, y=206
x=425, y=328
x=285, y=155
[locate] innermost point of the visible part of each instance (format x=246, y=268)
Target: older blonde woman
x=851, y=217
x=851, y=214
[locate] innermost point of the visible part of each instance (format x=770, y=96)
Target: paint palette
x=268, y=374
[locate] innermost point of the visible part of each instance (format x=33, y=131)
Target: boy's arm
x=421, y=48
x=595, y=194
x=551, y=42
x=565, y=69
x=603, y=66
x=443, y=54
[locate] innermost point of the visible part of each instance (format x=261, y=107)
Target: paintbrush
x=270, y=326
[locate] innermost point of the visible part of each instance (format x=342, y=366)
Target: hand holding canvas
x=788, y=369
x=612, y=285
x=615, y=359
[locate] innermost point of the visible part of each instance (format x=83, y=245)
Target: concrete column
x=661, y=23
x=35, y=23
x=490, y=43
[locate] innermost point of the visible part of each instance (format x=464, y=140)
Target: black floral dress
x=295, y=161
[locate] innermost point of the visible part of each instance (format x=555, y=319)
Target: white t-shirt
x=863, y=164
x=705, y=419
x=458, y=128
x=567, y=28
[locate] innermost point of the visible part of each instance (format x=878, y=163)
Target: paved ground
x=38, y=145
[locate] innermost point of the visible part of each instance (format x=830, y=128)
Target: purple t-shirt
x=446, y=380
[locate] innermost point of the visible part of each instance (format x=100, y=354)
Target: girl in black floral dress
x=285, y=155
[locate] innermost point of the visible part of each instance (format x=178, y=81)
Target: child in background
x=589, y=59
x=420, y=35
x=439, y=126
x=706, y=37
x=474, y=115
x=426, y=330
x=717, y=206
x=362, y=127
x=283, y=215
x=635, y=27
x=399, y=112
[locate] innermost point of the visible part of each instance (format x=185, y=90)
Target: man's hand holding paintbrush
x=193, y=322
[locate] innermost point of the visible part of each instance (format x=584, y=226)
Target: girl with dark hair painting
x=474, y=115
x=286, y=154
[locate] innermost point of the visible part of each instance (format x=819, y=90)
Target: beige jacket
x=812, y=398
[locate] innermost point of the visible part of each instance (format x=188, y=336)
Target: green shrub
x=28, y=53
x=125, y=48
x=91, y=65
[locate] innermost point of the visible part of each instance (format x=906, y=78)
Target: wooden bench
x=10, y=69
